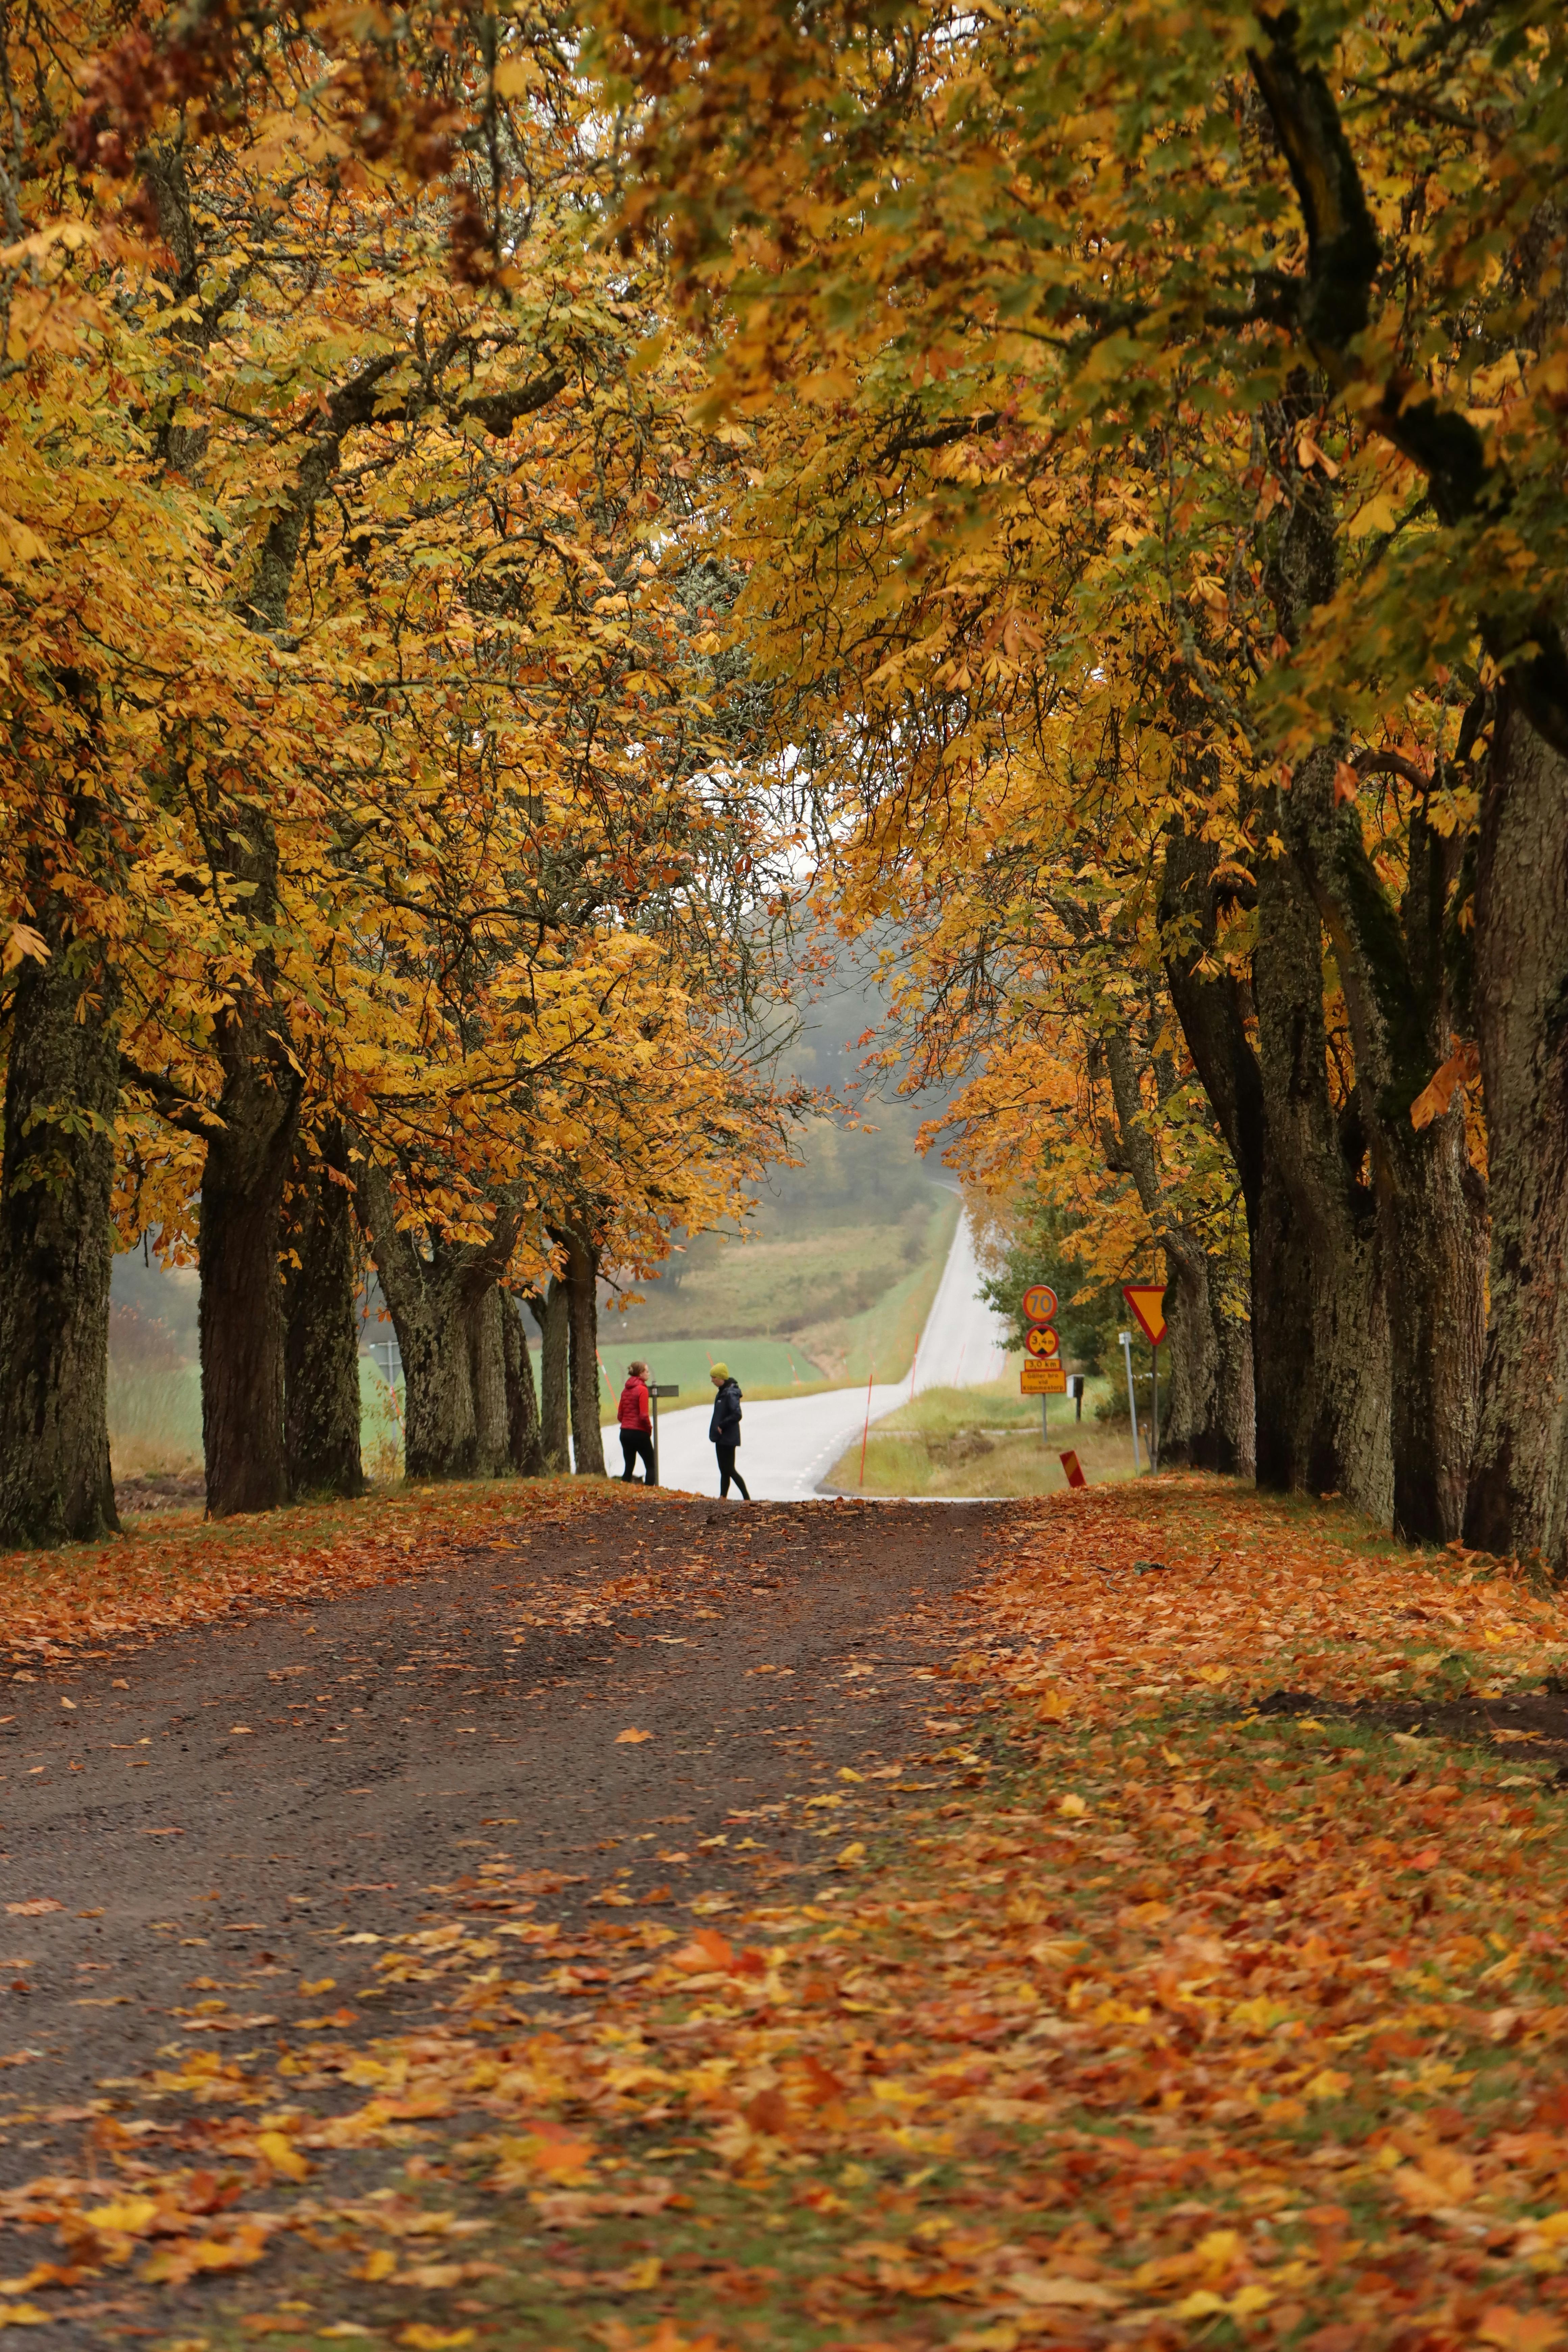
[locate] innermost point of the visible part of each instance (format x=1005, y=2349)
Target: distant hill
x=843, y=1250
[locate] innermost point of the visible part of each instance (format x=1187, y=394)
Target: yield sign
x=1147, y=1300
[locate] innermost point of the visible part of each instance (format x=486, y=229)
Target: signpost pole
x=1126, y=1339
x=657, y=1389
x=1154, y=1452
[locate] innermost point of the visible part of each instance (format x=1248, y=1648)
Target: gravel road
x=205, y=1811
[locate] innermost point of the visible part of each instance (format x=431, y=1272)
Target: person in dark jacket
x=724, y=1429
x=637, y=1425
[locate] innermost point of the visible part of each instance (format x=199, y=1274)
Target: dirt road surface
x=210, y=1809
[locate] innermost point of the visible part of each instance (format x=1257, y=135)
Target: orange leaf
x=1439, y=1091
x=1518, y=2331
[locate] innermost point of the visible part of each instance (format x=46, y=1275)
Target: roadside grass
x=983, y=1441
x=1118, y=2015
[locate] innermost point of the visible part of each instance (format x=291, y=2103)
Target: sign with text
x=1039, y=1379
x=1043, y=1343
x=1147, y=1301
x=1039, y=1303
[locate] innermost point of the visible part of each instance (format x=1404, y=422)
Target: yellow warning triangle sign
x=1147, y=1300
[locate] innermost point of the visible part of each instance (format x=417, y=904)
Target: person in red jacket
x=637, y=1425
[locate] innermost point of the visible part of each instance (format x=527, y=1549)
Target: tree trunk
x=1201, y=1426
x=447, y=1311
x=1320, y=1311
x=583, y=1325
x=1428, y=1199
x=553, y=1314
x=525, y=1450
x=1213, y=1012
x=483, y=1325
x=241, y=1309
x=62, y=1087
x=1206, y=1413
x=421, y=1295
x=1518, y=1497
x=321, y=1348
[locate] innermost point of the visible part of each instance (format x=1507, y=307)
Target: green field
x=761, y=1366
x=155, y=1420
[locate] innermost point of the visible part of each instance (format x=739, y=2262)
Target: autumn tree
x=1292, y=286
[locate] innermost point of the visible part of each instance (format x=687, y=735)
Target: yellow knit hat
x=719, y=1371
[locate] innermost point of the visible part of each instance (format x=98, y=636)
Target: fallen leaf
x=631, y=1738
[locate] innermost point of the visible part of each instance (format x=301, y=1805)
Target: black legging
x=727, y=1471
x=636, y=1445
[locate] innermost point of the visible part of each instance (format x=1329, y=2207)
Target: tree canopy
x=1102, y=466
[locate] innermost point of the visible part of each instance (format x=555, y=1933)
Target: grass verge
x=1123, y=2015
x=982, y=1441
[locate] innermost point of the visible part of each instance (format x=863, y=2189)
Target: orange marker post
x=1074, y=1470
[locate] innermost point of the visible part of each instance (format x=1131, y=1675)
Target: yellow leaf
x=281, y=2153
x=23, y=941
x=22, y=2315
x=514, y=76
x=1073, y=1807
x=631, y=1738
x=379, y=2264
x=421, y=2338
x=639, y=2277
x=1053, y=1705
x=127, y=2215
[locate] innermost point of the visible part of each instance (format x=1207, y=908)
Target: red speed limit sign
x=1039, y=1303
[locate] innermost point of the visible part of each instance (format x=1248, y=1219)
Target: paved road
x=790, y=1443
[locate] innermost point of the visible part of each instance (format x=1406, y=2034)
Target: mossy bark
x=525, y=1449
x=582, y=1326
x=1205, y=1419
x=446, y=1309
x=484, y=1312
x=240, y=1317
x=1429, y=1204
x=320, y=1348
x=551, y=1313
x=62, y=1085
x=1517, y=1494
x=1320, y=1311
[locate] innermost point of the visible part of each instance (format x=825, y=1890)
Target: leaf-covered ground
x=179, y=1569
x=1139, y=2017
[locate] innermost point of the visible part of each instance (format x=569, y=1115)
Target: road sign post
x=1044, y=1350
x=670, y=1388
x=1126, y=1339
x=1147, y=1301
